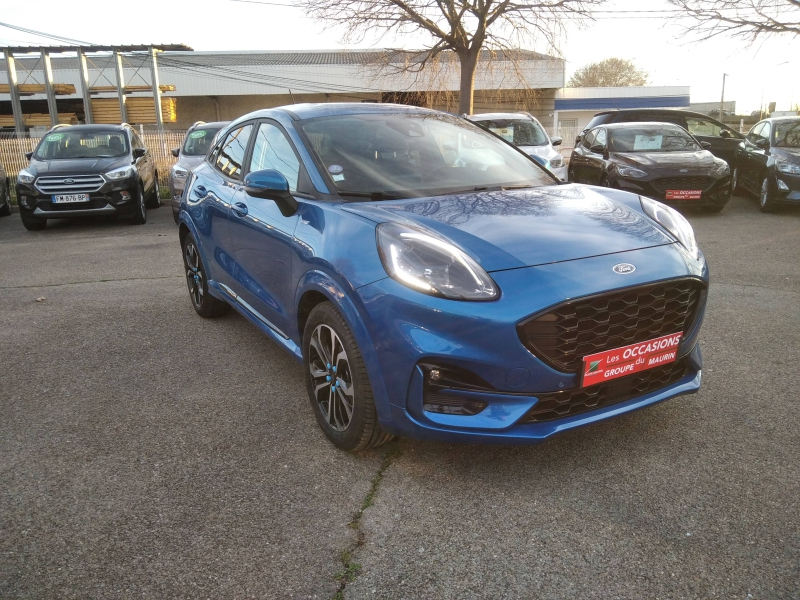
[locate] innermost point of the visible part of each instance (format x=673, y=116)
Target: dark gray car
x=195, y=146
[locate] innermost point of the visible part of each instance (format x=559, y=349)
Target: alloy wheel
x=194, y=273
x=332, y=378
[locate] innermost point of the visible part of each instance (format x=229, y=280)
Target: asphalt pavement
x=148, y=453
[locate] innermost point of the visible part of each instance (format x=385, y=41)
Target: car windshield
x=652, y=139
x=787, y=134
x=199, y=141
x=520, y=132
x=395, y=155
x=82, y=144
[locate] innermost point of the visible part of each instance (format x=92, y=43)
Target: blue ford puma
x=437, y=283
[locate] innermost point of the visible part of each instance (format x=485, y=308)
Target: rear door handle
x=240, y=208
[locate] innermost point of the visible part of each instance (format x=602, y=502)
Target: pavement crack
x=350, y=568
x=49, y=285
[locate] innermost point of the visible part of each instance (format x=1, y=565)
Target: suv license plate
x=66, y=198
x=627, y=360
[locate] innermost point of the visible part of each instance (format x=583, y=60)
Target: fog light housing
x=445, y=404
x=782, y=186
x=23, y=201
x=442, y=384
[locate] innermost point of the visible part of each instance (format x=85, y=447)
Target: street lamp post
x=722, y=99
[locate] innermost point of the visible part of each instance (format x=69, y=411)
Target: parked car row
x=687, y=159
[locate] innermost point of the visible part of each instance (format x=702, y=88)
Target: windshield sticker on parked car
x=338, y=177
x=54, y=137
x=197, y=134
x=335, y=169
x=647, y=142
x=507, y=133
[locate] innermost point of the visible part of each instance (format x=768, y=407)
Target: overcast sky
x=767, y=71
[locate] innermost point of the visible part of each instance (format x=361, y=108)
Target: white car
x=525, y=132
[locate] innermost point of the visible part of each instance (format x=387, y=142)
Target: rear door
x=595, y=161
x=748, y=159
x=579, y=163
x=724, y=140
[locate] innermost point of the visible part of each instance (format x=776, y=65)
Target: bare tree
x=611, y=72
x=746, y=19
x=464, y=27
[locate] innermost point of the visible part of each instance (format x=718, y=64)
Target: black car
x=658, y=160
x=5, y=195
x=723, y=140
x=768, y=162
x=86, y=171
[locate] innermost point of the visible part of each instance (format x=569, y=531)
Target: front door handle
x=240, y=208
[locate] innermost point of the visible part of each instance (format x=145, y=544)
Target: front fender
x=352, y=309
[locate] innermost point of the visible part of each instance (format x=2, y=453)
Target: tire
x=33, y=224
x=155, y=198
x=204, y=303
x=766, y=198
x=140, y=216
x=736, y=189
x=326, y=334
x=5, y=209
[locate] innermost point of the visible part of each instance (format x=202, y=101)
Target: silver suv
x=195, y=146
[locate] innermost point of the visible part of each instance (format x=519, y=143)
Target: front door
x=723, y=141
x=262, y=236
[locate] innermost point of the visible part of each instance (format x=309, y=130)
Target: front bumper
x=113, y=198
x=410, y=332
x=787, y=187
x=716, y=194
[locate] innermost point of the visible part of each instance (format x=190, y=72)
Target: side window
x=588, y=139
x=764, y=134
x=230, y=157
x=273, y=151
x=600, y=137
x=755, y=133
x=698, y=126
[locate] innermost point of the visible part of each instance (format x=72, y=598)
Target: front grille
x=70, y=184
x=564, y=334
x=682, y=183
x=557, y=405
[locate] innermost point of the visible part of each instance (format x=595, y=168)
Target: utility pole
x=722, y=99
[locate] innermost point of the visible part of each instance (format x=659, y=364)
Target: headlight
x=674, y=222
x=25, y=176
x=121, y=173
x=722, y=169
x=179, y=173
x=785, y=167
x=431, y=265
x=630, y=172
x=557, y=162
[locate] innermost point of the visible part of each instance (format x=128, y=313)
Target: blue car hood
x=523, y=228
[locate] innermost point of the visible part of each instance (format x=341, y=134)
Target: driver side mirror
x=28, y=155
x=598, y=148
x=556, y=140
x=270, y=184
x=725, y=134
x=139, y=152
x=705, y=145
x=762, y=143
x=176, y=152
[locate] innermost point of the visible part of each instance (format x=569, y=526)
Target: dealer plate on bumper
x=627, y=360
x=684, y=194
x=68, y=198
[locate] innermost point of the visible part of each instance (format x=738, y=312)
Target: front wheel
x=337, y=382
x=766, y=199
x=140, y=216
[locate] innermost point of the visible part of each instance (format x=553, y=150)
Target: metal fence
x=160, y=144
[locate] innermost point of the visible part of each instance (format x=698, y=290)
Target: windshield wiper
x=376, y=195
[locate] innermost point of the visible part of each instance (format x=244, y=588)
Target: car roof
x=329, y=109
x=92, y=127
x=636, y=124
x=508, y=115
x=776, y=119
x=210, y=125
x=666, y=111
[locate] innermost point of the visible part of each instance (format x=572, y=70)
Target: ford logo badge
x=69, y=181
x=623, y=268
